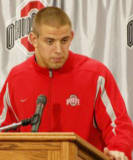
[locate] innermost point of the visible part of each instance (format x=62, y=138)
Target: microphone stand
x=33, y=120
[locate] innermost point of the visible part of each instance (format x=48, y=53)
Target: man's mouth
x=57, y=59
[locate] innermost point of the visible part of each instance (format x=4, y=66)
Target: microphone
x=41, y=102
x=24, y=122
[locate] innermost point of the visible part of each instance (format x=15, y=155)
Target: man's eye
x=63, y=41
x=49, y=41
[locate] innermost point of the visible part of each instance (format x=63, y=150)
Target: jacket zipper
x=50, y=100
x=50, y=73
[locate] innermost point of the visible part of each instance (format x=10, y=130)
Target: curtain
x=103, y=30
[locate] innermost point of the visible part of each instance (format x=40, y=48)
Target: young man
x=82, y=95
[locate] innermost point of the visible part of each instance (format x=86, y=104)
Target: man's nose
x=58, y=47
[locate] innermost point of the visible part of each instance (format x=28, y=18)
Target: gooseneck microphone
x=24, y=122
x=41, y=102
x=34, y=120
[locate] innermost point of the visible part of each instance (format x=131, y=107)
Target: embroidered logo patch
x=73, y=101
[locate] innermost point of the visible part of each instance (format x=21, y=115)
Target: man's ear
x=72, y=34
x=33, y=39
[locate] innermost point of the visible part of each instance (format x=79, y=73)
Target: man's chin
x=56, y=66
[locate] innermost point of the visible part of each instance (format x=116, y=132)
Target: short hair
x=51, y=16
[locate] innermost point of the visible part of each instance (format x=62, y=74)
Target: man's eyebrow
x=65, y=37
x=53, y=39
x=48, y=38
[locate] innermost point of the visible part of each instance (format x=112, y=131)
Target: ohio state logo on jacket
x=73, y=100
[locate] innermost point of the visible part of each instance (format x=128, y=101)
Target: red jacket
x=82, y=97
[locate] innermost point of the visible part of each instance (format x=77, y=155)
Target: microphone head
x=41, y=99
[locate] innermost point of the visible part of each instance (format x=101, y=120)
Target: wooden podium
x=47, y=146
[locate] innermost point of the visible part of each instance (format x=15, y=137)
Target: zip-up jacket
x=82, y=97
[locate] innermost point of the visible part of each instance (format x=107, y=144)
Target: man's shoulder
x=89, y=64
x=22, y=67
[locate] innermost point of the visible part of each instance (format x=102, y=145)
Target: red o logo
x=34, y=5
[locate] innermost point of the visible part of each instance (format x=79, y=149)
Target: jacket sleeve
x=112, y=117
x=7, y=113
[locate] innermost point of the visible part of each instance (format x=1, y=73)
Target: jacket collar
x=68, y=66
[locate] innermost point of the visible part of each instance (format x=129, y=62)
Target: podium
x=47, y=146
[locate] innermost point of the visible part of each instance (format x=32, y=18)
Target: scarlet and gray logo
x=73, y=100
x=130, y=32
x=17, y=31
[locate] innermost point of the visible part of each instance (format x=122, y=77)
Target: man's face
x=52, y=45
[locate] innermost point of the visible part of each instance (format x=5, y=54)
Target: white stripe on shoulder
x=106, y=101
x=10, y=105
x=7, y=103
x=4, y=112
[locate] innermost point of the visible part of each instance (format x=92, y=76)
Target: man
x=82, y=95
